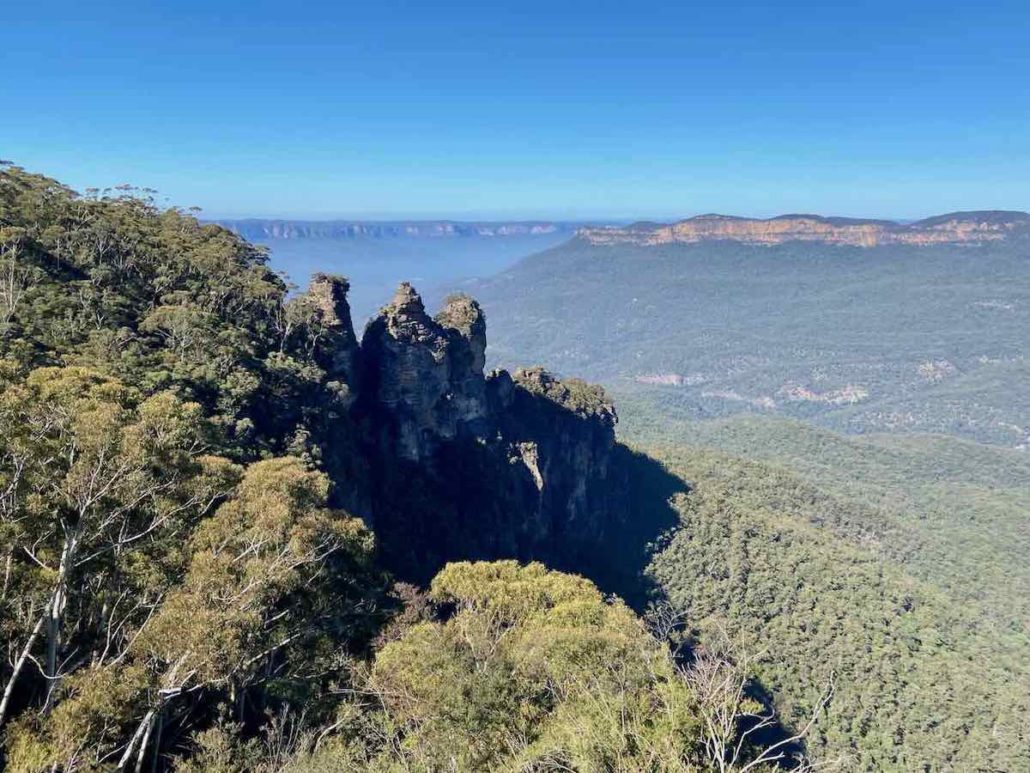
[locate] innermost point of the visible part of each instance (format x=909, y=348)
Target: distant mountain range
x=951, y=228
x=260, y=230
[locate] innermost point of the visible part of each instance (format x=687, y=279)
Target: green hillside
x=887, y=338
x=928, y=677
x=893, y=559
x=952, y=512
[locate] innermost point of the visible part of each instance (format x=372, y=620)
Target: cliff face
x=337, y=351
x=563, y=435
x=461, y=464
x=423, y=377
x=955, y=228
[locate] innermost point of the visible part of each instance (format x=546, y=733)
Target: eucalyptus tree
x=99, y=485
x=275, y=588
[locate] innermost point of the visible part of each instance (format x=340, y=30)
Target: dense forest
x=186, y=585
x=928, y=676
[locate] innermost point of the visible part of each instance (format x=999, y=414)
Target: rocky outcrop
x=563, y=434
x=468, y=465
x=336, y=351
x=957, y=228
x=423, y=377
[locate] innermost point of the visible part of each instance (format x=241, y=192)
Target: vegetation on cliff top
x=177, y=590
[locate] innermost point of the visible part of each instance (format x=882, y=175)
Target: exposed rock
x=469, y=466
x=956, y=228
x=563, y=432
x=587, y=401
x=337, y=351
x=424, y=378
x=463, y=315
x=847, y=395
x=257, y=229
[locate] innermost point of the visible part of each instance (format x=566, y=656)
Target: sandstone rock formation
x=423, y=377
x=955, y=228
x=258, y=229
x=563, y=433
x=337, y=351
x=459, y=464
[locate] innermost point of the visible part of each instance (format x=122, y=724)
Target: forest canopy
x=182, y=587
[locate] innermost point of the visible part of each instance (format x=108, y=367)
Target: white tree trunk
x=55, y=618
x=22, y=658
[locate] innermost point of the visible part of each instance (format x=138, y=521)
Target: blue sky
x=563, y=110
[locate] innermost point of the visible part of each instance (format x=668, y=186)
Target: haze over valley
x=376, y=256
x=861, y=326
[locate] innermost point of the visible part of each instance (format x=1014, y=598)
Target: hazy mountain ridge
x=260, y=228
x=953, y=228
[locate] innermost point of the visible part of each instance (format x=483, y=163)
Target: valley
x=491, y=560
x=515, y=388
x=376, y=256
x=882, y=338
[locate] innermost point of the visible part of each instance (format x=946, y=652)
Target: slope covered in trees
x=182, y=446
x=929, y=674
x=162, y=555
x=952, y=512
x=895, y=561
x=185, y=586
x=886, y=338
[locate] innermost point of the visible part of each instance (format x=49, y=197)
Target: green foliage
x=571, y=393
x=157, y=300
x=522, y=669
x=150, y=582
x=951, y=512
x=271, y=599
x=251, y=589
x=924, y=680
x=98, y=707
x=100, y=485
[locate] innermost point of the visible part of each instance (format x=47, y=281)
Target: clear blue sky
x=564, y=109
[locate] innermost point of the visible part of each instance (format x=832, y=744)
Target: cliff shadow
x=549, y=486
x=624, y=552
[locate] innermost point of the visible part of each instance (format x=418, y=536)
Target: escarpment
x=962, y=228
x=461, y=464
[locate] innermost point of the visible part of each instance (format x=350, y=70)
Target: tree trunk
x=56, y=616
x=144, y=727
x=143, y=745
x=22, y=658
x=156, y=756
x=7, y=571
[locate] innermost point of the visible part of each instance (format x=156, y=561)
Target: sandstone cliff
x=336, y=350
x=955, y=228
x=456, y=463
